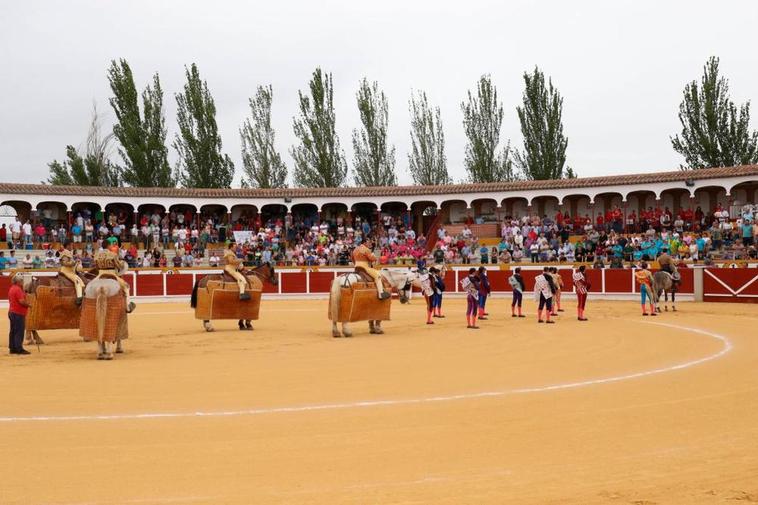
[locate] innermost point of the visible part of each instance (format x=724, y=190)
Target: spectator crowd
x=609, y=239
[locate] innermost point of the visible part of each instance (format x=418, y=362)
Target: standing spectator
x=3, y=234
x=15, y=232
x=27, y=234
x=17, y=309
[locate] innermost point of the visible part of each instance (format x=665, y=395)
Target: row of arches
x=419, y=212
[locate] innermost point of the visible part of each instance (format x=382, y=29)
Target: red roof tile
x=382, y=191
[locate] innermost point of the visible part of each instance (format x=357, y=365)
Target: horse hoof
x=119, y=351
x=673, y=309
x=348, y=335
x=130, y=308
x=109, y=357
x=100, y=356
x=667, y=309
x=336, y=335
x=379, y=332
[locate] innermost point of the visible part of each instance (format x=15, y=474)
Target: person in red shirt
x=17, y=309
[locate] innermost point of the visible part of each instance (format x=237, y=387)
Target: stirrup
x=384, y=295
x=244, y=296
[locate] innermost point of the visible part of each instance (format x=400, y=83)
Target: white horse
x=400, y=280
x=101, y=290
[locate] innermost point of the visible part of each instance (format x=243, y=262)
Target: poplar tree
x=374, y=163
x=715, y=132
x=540, y=115
x=482, y=117
x=319, y=160
x=262, y=164
x=142, y=136
x=198, y=143
x=90, y=168
x=426, y=160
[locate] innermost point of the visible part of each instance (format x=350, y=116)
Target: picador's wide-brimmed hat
x=106, y=260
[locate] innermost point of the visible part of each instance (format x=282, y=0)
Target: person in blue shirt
x=3, y=260
x=747, y=233
x=12, y=261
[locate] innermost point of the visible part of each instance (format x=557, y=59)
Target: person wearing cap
x=232, y=265
x=364, y=258
x=18, y=306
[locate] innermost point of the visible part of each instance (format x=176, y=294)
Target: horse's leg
x=335, y=331
x=378, y=328
x=673, y=300
x=346, y=331
x=666, y=300
x=101, y=350
x=119, y=347
x=207, y=325
x=371, y=329
x=108, y=350
x=248, y=324
x=37, y=338
x=29, y=337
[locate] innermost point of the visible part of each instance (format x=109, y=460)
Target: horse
x=48, y=314
x=664, y=282
x=264, y=272
x=401, y=281
x=105, y=302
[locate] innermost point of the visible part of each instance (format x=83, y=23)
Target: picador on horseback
x=364, y=260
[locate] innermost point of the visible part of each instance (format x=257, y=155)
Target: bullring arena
x=618, y=409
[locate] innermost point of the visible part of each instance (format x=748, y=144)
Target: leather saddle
x=365, y=277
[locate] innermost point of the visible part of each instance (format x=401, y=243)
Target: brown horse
x=47, y=314
x=264, y=272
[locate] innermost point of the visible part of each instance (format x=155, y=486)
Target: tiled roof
x=382, y=191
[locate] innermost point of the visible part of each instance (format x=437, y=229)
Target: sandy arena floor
x=610, y=411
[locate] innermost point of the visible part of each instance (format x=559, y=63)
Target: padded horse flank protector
x=219, y=299
x=116, y=327
x=358, y=302
x=53, y=306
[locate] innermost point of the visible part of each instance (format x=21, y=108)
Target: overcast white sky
x=620, y=66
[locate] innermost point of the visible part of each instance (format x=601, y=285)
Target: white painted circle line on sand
x=726, y=347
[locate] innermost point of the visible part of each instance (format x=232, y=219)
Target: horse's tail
x=193, y=298
x=335, y=295
x=101, y=311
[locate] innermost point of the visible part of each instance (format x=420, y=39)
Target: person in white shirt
x=27, y=228
x=213, y=260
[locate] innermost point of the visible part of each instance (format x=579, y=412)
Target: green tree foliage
x=715, y=132
x=374, y=162
x=426, y=159
x=93, y=168
x=319, y=161
x=482, y=117
x=143, y=139
x=544, y=154
x=262, y=165
x=198, y=143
